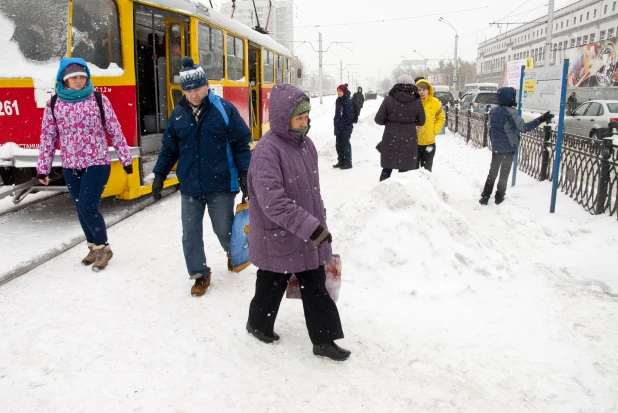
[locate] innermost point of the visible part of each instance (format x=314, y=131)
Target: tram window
x=96, y=33
x=235, y=58
x=41, y=28
x=287, y=78
x=210, y=46
x=279, y=69
x=267, y=59
x=174, y=33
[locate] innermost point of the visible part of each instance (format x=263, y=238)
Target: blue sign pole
x=556, y=174
x=519, y=105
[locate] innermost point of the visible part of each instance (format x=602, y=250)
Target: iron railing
x=588, y=167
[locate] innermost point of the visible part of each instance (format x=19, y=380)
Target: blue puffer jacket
x=210, y=154
x=504, y=122
x=344, y=115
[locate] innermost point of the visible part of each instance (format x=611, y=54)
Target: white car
x=591, y=118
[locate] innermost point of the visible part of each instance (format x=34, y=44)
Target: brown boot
x=104, y=254
x=229, y=262
x=91, y=257
x=200, y=286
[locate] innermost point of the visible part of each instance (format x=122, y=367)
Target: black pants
x=426, y=154
x=356, y=114
x=386, y=173
x=321, y=313
x=344, y=150
x=500, y=162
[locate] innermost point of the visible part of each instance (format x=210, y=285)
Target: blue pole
x=519, y=105
x=556, y=174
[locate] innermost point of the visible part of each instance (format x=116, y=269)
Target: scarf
x=70, y=95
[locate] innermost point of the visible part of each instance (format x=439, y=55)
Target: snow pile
x=7, y=152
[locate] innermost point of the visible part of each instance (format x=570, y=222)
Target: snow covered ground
x=447, y=306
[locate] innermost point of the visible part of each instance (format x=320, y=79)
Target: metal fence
x=588, y=167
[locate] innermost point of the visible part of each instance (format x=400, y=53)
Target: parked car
x=591, y=118
x=315, y=95
x=445, y=97
x=371, y=95
x=478, y=101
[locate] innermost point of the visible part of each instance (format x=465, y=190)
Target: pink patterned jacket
x=83, y=142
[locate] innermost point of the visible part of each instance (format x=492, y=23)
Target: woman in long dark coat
x=401, y=112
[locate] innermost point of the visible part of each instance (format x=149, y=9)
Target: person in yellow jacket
x=434, y=119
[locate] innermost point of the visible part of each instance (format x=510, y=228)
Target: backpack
x=97, y=96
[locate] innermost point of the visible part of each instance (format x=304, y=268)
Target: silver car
x=591, y=118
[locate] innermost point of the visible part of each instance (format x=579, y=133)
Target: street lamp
x=420, y=54
x=441, y=19
x=409, y=65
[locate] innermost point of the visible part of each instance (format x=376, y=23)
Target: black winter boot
x=261, y=336
x=483, y=200
x=331, y=351
x=498, y=199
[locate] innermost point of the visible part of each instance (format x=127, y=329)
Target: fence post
x=485, y=128
x=604, y=178
x=469, y=127
x=456, y=119
x=545, y=153
x=445, y=116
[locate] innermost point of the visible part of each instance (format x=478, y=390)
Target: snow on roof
x=202, y=9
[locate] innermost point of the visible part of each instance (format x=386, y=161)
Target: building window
x=581, y=16
x=579, y=41
x=594, y=13
x=561, y=25
x=572, y=42
x=556, y=26
x=605, y=9
x=585, y=39
x=587, y=15
x=592, y=37
x=614, y=6
x=610, y=33
x=602, y=35
x=567, y=23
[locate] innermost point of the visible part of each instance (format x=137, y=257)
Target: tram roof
x=202, y=9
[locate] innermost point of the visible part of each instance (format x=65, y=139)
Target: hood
x=430, y=95
x=361, y=90
x=507, y=96
x=404, y=92
x=346, y=95
x=283, y=101
x=65, y=62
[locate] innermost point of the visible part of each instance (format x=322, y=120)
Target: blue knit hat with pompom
x=192, y=76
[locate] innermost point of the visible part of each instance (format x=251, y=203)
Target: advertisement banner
x=593, y=65
x=513, y=72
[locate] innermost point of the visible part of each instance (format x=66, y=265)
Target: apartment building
x=582, y=32
x=280, y=24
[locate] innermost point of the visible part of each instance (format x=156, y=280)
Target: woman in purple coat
x=288, y=226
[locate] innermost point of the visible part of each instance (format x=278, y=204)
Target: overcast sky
x=377, y=47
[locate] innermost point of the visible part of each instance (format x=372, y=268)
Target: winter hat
x=192, y=76
x=343, y=88
x=416, y=79
x=74, y=70
x=405, y=80
x=302, y=107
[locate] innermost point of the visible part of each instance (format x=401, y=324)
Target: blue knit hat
x=192, y=76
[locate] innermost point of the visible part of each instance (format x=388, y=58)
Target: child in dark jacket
x=343, y=120
x=504, y=124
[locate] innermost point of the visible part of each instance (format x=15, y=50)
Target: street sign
x=542, y=87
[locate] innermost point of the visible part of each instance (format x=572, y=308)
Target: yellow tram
x=133, y=49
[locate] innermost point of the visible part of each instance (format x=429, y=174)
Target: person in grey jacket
x=505, y=124
x=288, y=233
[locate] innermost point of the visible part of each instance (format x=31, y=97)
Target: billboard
x=512, y=72
x=593, y=65
x=542, y=88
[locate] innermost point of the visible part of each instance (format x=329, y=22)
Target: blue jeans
x=86, y=187
x=344, y=150
x=221, y=211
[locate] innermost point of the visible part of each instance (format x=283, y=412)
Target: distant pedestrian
x=358, y=99
x=344, y=124
x=79, y=118
x=434, y=119
x=210, y=141
x=504, y=124
x=401, y=112
x=571, y=104
x=416, y=79
x=288, y=233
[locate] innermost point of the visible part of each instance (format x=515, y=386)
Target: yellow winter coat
x=434, y=117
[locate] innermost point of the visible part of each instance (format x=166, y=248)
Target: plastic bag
x=239, y=242
x=333, y=280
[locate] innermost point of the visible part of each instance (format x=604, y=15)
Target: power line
x=401, y=18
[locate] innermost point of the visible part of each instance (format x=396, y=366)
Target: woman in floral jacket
x=76, y=123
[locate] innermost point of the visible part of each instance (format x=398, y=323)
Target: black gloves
x=320, y=235
x=128, y=169
x=545, y=117
x=157, y=187
x=242, y=181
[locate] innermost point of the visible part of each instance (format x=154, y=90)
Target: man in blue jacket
x=504, y=124
x=344, y=118
x=210, y=141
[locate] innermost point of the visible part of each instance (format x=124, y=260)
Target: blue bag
x=239, y=243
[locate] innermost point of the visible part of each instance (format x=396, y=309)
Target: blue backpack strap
x=216, y=102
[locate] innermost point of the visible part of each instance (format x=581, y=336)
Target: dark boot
x=337, y=165
x=345, y=167
x=229, y=262
x=483, y=200
x=383, y=176
x=498, y=199
x=201, y=285
x=331, y=351
x=264, y=338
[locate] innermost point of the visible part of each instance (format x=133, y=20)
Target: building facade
x=582, y=32
x=280, y=25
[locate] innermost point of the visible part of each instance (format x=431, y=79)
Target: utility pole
x=455, y=79
x=340, y=72
x=550, y=23
x=320, y=52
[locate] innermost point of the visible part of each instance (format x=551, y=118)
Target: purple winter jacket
x=285, y=204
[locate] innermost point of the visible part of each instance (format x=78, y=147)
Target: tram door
x=175, y=46
x=254, y=90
